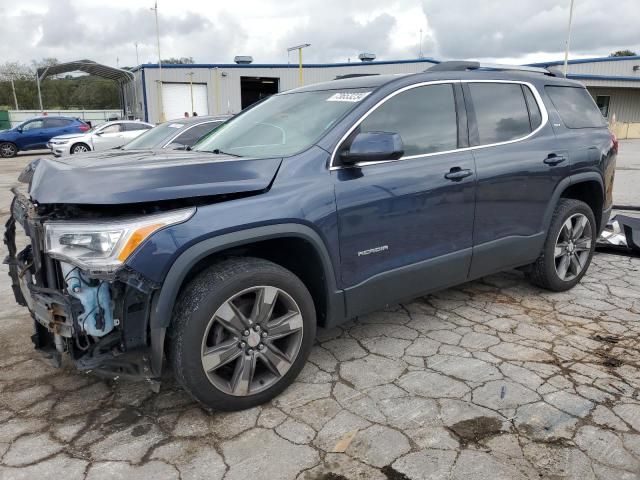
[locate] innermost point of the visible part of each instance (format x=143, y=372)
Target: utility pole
x=568, y=39
x=420, y=55
x=137, y=57
x=299, y=48
x=160, y=100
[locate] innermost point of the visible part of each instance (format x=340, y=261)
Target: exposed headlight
x=59, y=142
x=105, y=246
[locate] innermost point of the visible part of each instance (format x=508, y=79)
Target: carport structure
x=123, y=77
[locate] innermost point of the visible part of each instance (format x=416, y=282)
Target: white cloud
x=525, y=30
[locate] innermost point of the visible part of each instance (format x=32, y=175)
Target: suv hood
x=119, y=177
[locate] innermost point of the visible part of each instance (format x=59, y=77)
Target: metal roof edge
x=584, y=60
x=586, y=76
x=285, y=65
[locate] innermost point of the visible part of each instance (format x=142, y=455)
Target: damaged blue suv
x=310, y=208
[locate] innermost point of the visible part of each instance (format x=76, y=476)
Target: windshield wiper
x=217, y=151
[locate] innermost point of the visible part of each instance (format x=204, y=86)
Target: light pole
x=568, y=39
x=299, y=48
x=160, y=100
x=137, y=57
x=191, y=88
x=15, y=98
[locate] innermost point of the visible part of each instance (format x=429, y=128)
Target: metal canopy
x=88, y=66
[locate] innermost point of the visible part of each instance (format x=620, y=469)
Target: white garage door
x=177, y=99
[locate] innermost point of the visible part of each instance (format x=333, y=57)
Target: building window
x=603, y=104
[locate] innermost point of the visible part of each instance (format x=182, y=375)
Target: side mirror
x=19, y=129
x=99, y=134
x=373, y=147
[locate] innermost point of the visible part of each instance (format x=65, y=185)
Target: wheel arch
x=587, y=187
x=291, y=239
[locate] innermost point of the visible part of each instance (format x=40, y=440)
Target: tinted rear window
x=501, y=111
x=576, y=107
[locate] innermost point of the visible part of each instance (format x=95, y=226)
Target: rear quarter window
x=501, y=112
x=576, y=107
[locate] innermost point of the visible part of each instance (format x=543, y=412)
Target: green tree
x=623, y=53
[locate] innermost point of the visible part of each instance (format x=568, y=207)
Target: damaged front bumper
x=100, y=322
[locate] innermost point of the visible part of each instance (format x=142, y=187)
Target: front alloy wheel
x=79, y=148
x=241, y=332
x=252, y=340
x=8, y=150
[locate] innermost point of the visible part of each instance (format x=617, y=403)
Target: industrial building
x=228, y=88
x=614, y=83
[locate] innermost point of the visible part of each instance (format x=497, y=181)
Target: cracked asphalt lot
x=494, y=379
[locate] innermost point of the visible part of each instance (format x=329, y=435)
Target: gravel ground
x=494, y=379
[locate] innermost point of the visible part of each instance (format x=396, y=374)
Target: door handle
x=553, y=159
x=456, y=174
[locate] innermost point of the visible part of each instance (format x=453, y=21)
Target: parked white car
x=103, y=137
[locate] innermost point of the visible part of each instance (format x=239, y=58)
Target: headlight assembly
x=105, y=245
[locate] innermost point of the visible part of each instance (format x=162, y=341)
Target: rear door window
x=501, y=112
x=56, y=122
x=425, y=118
x=576, y=107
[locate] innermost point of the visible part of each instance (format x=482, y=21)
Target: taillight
x=84, y=127
x=614, y=139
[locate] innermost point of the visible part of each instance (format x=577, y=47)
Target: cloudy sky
x=214, y=31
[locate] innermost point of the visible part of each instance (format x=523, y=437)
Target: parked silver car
x=177, y=134
x=103, y=137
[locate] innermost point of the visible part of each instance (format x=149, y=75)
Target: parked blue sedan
x=36, y=132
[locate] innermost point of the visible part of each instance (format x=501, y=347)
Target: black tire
x=79, y=148
x=543, y=271
x=192, y=316
x=8, y=150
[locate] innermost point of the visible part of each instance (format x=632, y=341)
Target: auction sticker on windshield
x=347, y=96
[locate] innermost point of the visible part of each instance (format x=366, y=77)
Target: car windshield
x=155, y=137
x=282, y=124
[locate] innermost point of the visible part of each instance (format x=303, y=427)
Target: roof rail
x=355, y=75
x=461, y=66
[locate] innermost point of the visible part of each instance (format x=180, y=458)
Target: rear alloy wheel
x=568, y=249
x=241, y=332
x=80, y=148
x=8, y=150
x=573, y=247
